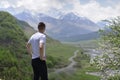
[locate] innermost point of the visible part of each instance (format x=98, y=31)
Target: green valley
x=15, y=63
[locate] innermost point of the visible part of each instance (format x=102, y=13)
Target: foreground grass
x=78, y=75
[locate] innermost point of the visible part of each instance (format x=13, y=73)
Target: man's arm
x=41, y=46
x=28, y=46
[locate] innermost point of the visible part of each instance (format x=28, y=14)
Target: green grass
x=61, y=50
x=80, y=75
x=61, y=53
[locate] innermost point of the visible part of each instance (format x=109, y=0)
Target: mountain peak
x=73, y=17
x=69, y=16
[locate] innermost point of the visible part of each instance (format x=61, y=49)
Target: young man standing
x=37, y=43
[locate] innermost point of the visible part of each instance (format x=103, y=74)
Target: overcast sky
x=93, y=9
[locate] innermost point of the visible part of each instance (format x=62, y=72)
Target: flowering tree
x=109, y=60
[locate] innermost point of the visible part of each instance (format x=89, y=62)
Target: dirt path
x=70, y=67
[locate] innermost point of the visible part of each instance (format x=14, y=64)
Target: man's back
x=35, y=40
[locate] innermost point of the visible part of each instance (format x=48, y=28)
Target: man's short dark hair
x=41, y=26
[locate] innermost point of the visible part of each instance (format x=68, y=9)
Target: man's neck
x=41, y=31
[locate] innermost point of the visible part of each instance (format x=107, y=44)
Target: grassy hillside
x=28, y=30
x=12, y=49
x=11, y=35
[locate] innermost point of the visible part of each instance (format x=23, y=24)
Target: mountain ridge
x=62, y=27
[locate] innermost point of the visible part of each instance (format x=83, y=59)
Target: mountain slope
x=12, y=48
x=28, y=30
x=10, y=32
x=74, y=18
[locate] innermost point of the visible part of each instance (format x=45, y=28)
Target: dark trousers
x=39, y=69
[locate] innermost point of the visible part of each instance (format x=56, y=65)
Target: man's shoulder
x=42, y=34
x=38, y=35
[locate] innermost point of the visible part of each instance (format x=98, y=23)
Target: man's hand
x=28, y=46
x=43, y=58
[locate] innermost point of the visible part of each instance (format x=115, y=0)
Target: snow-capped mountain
x=71, y=16
x=59, y=26
x=83, y=21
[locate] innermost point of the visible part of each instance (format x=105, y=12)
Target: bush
x=116, y=77
x=52, y=61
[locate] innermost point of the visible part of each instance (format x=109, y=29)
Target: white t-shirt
x=35, y=41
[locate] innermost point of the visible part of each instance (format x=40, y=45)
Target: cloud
x=93, y=10
x=39, y=5
x=4, y=4
x=34, y=5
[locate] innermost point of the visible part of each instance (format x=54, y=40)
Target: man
x=37, y=44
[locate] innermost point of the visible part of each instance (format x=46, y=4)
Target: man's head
x=41, y=27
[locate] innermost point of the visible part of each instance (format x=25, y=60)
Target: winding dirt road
x=70, y=67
